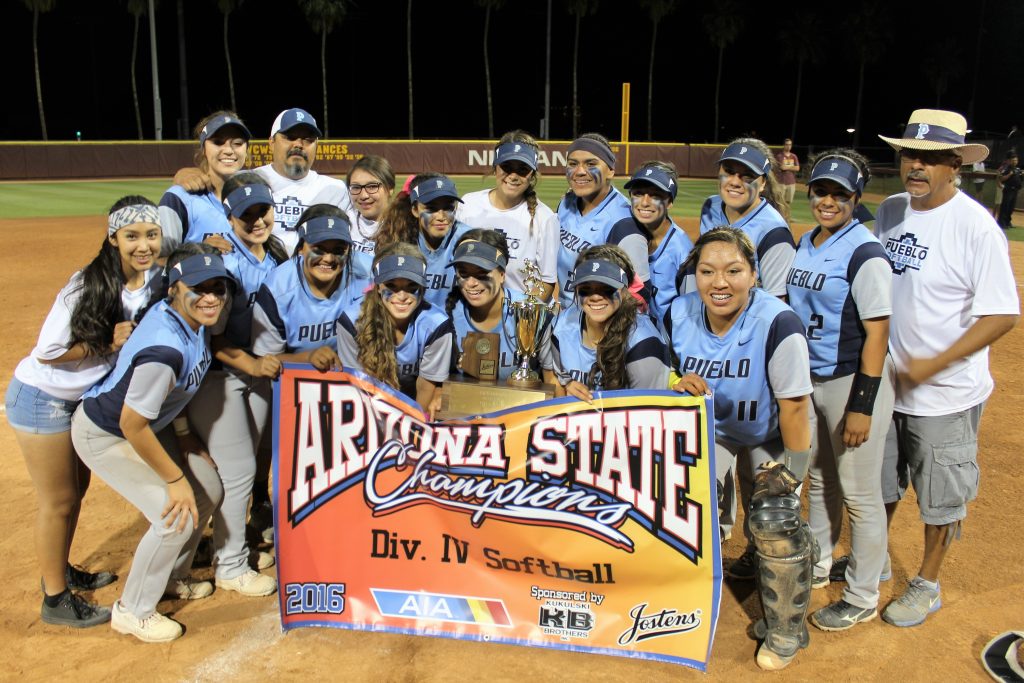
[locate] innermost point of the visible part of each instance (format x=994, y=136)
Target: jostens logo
x=667, y=622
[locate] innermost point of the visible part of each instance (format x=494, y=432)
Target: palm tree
x=579, y=9
x=869, y=31
x=136, y=8
x=488, y=5
x=37, y=7
x=801, y=43
x=656, y=10
x=226, y=8
x=723, y=24
x=323, y=16
x=408, y=57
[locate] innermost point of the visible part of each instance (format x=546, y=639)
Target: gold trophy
x=530, y=316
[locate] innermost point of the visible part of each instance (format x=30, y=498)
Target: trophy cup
x=530, y=316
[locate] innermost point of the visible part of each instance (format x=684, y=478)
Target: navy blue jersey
x=163, y=339
x=832, y=288
x=249, y=273
x=610, y=222
x=665, y=262
x=506, y=331
x=762, y=357
x=425, y=351
x=770, y=234
x=646, y=354
x=187, y=217
x=441, y=276
x=288, y=318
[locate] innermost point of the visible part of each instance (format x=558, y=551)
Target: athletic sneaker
x=838, y=571
x=75, y=611
x=770, y=660
x=841, y=615
x=914, y=606
x=745, y=567
x=250, y=583
x=81, y=580
x=261, y=560
x=188, y=589
x=156, y=628
x=820, y=581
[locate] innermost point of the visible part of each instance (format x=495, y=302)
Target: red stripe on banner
x=498, y=612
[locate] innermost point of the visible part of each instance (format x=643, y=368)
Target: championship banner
x=561, y=524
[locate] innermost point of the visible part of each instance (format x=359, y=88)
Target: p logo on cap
x=596, y=267
x=922, y=130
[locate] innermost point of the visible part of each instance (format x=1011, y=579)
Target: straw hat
x=934, y=129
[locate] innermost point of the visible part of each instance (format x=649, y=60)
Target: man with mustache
x=293, y=182
x=953, y=295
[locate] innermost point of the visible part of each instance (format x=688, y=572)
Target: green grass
x=94, y=197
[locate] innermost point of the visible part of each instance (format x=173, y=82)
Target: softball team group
x=155, y=373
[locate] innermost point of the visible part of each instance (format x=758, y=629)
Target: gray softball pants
x=229, y=413
x=851, y=478
x=163, y=554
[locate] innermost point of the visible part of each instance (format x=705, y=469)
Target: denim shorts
x=34, y=411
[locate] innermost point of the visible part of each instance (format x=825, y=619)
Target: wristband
x=797, y=462
x=862, y=396
x=181, y=426
x=175, y=481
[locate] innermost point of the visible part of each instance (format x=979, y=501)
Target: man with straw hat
x=953, y=295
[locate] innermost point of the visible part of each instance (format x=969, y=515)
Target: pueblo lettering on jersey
x=199, y=371
x=319, y=332
x=573, y=242
x=717, y=369
x=806, y=279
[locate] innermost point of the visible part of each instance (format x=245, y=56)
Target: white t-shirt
x=70, y=380
x=292, y=197
x=950, y=265
x=539, y=245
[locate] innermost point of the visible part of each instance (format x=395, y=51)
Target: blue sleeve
x=785, y=324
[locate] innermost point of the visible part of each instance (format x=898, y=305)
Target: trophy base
x=525, y=383
x=462, y=396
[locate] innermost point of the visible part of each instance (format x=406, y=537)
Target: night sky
x=86, y=46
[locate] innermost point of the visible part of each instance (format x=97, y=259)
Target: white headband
x=131, y=214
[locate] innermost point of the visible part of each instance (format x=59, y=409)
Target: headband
x=130, y=215
x=595, y=147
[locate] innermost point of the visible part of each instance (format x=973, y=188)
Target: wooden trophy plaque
x=481, y=352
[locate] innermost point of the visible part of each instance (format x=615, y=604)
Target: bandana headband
x=130, y=215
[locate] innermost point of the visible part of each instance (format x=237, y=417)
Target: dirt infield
x=230, y=637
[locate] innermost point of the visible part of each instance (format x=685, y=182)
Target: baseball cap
x=426, y=191
x=323, y=228
x=656, y=176
x=241, y=198
x=291, y=118
x=397, y=266
x=841, y=170
x=598, y=270
x=216, y=124
x=196, y=269
x=751, y=157
x=516, y=151
x=479, y=254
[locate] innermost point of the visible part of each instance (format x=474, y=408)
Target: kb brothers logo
x=346, y=438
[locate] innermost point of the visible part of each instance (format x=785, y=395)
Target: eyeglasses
x=371, y=188
x=217, y=287
x=929, y=157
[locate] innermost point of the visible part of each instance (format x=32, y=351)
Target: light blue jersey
x=288, y=318
x=832, y=288
x=506, y=332
x=425, y=351
x=162, y=341
x=610, y=222
x=762, y=357
x=770, y=234
x=249, y=273
x=440, y=276
x=646, y=355
x=665, y=263
x=187, y=217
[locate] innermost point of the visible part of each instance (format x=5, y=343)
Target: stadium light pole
x=545, y=132
x=158, y=123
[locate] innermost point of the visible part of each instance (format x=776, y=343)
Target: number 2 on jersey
x=817, y=322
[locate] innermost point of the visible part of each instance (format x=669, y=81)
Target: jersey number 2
x=817, y=322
